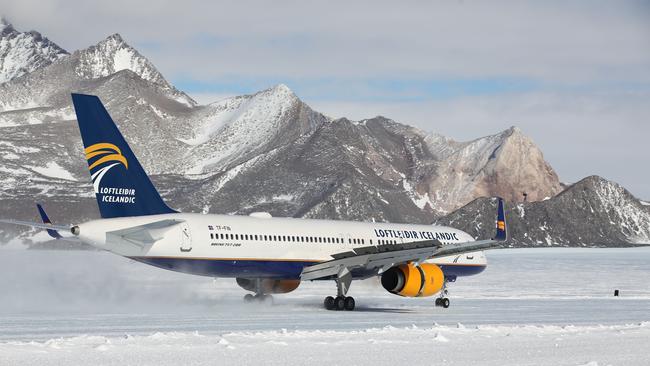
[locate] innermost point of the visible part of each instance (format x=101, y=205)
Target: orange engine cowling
x=413, y=281
x=268, y=286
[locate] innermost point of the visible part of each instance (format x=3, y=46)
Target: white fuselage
x=265, y=247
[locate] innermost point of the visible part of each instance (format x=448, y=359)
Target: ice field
x=530, y=307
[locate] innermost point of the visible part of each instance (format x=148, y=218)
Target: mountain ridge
x=266, y=151
x=24, y=52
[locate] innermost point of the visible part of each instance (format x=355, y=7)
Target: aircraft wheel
x=248, y=298
x=349, y=303
x=339, y=303
x=266, y=299
x=438, y=301
x=445, y=302
x=329, y=303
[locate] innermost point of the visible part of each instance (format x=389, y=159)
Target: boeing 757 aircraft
x=266, y=255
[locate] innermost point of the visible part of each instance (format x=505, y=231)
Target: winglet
x=46, y=220
x=502, y=231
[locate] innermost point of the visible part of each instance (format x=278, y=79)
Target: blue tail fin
x=122, y=187
x=502, y=230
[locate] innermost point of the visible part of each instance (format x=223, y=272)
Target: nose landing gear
x=443, y=300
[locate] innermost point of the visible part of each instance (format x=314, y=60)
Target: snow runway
x=537, y=307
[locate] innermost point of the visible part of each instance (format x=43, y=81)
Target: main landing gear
x=443, y=300
x=341, y=302
x=259, y=296
x=263, y=298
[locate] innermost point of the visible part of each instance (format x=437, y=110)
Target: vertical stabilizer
x=121, y=186
x=502, y=229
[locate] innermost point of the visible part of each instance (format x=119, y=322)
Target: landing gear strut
x=341, y=302
x=443, y=300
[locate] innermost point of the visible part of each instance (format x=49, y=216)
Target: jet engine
x=268, y=286
x=413, y=281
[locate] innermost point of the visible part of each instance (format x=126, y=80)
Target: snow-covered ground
x=530, y=307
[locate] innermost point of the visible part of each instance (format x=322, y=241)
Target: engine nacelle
x=268, y=286
x=413, y=281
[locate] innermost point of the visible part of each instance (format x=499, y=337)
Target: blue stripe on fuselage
x=260, y=268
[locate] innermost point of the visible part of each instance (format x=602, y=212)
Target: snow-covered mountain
x=236, y=129
x=593, y=211
x=268, y=151
x=24, y=52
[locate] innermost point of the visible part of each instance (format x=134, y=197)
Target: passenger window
x=255, y=237
x=211, y=236
x=370, y=241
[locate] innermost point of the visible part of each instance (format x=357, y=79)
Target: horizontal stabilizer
x=139, y=238
x=39, y=225
x=46, y=220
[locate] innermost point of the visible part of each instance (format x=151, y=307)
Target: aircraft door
x=186, y=237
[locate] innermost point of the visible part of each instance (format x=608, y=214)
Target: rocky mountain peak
x=278, y=95
x=24, y=52
x=507, y=164
x=113, y=54
x=593, y=211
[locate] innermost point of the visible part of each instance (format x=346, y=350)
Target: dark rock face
x=592, y=212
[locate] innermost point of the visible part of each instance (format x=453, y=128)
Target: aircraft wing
x=383, y=257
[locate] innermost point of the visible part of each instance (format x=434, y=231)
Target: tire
x=438, y=302
x=266, y=299
x=445, y=303
x=339, y=303
x=349, y=303
x=329, y=303
x=248, y=298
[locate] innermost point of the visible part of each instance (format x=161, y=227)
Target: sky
x=573, y=75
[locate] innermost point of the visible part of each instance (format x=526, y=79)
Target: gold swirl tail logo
x=103, y=153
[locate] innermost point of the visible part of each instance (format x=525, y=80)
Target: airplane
x=266, y=255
